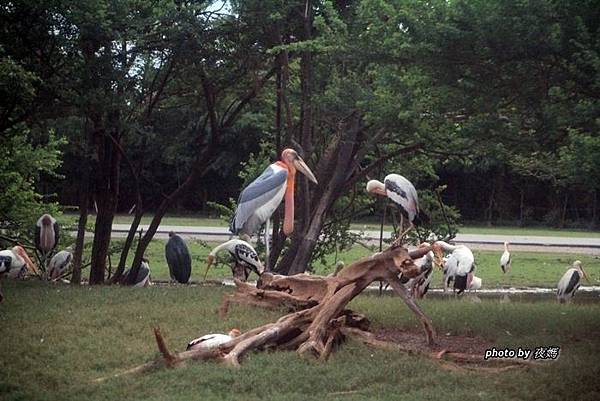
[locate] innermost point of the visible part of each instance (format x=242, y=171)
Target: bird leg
x=267, y=228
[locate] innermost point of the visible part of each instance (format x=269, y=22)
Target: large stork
x=570, y=281
x=460, y=266
x=46, y=235
x=260, y=199
x=143, y=277
x=403, y=193
x=178, y=258
x=244, y=256
x=15, y=262
x=211, y=341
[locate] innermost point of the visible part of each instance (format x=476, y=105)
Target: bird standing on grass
x=244, y=256
x=460, y=266
x=505, y=260
x=261, y=197
x=47, y=234
x=210, y=341
x=178, y=258
x=570, y=281
x=403, y=193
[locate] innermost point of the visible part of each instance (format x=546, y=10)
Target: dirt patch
x=414, y=340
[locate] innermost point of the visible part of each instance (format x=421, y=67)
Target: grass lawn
x=56, y=340
x=529, y=268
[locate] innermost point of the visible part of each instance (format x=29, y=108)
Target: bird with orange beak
x=259, y=200
x=15, y=262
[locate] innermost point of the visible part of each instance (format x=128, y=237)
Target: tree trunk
x=84, y=199
x=594, y=220
x=107, y=192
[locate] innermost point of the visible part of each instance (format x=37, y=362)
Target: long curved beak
x=585, y=275
x=303, y=168
x=30, y=265
x=209, y=263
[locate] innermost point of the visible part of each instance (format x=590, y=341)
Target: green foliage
x=21, y=167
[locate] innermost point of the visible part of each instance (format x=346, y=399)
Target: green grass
x=56, y=340
x=529, y=268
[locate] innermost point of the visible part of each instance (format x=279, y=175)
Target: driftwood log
x=318, y=318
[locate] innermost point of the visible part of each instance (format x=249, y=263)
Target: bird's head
x=46, y=220
x=20, y=251
x=291, y=158
x=579, y=266
x=376, y=187
x=235, y=333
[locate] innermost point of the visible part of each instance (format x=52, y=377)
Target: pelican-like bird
x=15, y=262
x=403, y=193
x=143, y=276
x=260, y=199
x=59, y=264
x=245, y=258
x=505, y=260
x=47, y=234
x=178, y=258
x=460, y=266
x=570, y=281
x=210, y=341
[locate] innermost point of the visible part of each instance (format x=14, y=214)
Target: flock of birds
x=257, y=202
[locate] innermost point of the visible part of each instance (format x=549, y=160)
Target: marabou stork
x=570, y=281
x=143, y=276
x=15, y=262
x=178, y=258
x=260, y=199
x=403, y=193
x=59, y=264
x=46, y=235
x=244, y=256
x=210, y=341
x=505, y=260
x=460, y=266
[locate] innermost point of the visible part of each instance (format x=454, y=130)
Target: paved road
x=476, y=241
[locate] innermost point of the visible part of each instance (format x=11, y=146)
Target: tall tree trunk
x=84, y=199
x=107, y=192
x=563, y=215
x=594, y=220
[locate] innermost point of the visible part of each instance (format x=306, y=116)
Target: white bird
x=210, y=341
x=475, y=284
x=505, y=260
x=570, y=281
x=459, y=267
x=261, y=197
x=15, y=262
x=403, y=193
x=244, y=256
x=59, y=264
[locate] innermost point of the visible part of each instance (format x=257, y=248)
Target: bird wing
x=247, y=254
x=402, y=192
x=269, y=185
x=466, y=260
x=179, y=259
x=505, y=259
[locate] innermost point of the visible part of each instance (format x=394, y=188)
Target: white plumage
x=459, y=266
x=210, y=341
x=59, y=264
x=505, y=261
x=570, y=282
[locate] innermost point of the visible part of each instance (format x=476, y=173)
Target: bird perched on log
x=570, y=281
x=244, y=256
x=15, y=262
x=210, y=341
x=460, y=266
x=403, y=193
x=59, y=264
x=261, y=197
x=505, y=260
x=47, y=234
x=178, y=258
x=143, y=276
